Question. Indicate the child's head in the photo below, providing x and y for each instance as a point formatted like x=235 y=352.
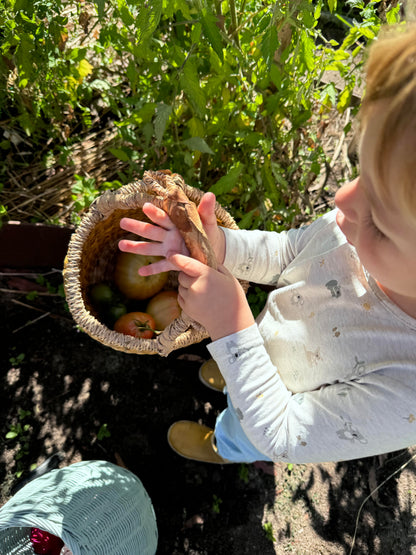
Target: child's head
x=377 y=211
x=391 y=88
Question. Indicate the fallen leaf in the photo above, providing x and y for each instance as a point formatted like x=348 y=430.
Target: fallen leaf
x=120 y=461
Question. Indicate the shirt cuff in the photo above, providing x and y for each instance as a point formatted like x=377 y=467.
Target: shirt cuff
x=235 y=348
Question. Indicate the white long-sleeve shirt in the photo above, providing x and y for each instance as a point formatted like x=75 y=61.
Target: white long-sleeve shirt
x=328 y=372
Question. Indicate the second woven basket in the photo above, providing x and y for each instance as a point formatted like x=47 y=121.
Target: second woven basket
x=92 y=255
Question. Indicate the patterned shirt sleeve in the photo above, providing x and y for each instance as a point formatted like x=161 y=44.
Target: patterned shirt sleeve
x=368 y=415
x=260 y=256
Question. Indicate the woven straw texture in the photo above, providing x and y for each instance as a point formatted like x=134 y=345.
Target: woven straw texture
x=95 y=507
x=92 y=255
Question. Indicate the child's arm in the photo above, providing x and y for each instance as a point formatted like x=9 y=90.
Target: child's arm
x=257 y=256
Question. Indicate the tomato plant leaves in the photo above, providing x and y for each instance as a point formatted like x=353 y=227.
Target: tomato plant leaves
x=199 y=144
x=163 y=112
x=209 y=24
x=190 y=83
x=224 y=96
x=269 y=44
x=226 y=183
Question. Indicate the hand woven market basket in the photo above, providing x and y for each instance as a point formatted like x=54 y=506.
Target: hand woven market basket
x=93 y=250
x=95 y=507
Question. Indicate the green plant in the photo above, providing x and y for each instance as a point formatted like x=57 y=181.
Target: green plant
x=216 y=502
x=268 y=529
x=3 y=210
x=17 y=360
x=20 y=432
x=256 y=299
x=243 y=473
x=84 y=191
x=103 y=432
x=56 y=290
x=226 y=93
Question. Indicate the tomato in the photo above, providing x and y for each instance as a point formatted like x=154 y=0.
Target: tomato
x=133 y=285
x=115 y=312
x=101 y=294
x=137 y=324
x=164 y=308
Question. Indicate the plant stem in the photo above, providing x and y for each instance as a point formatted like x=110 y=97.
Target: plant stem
x=234 y=22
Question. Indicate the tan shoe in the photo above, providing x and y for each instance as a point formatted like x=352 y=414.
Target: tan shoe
x=194 y=441
x=210 y=375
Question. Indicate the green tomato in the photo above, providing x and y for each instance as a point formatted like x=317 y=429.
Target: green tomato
x=101 y=294
x=115 y=312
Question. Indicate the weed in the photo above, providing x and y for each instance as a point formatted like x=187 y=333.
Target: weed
x=243 y=473
x=20 y=432
x=3 y=210
x=268 y=529
x=17 y=360
x=84 y=192
x=103 y=432
x=216 y=502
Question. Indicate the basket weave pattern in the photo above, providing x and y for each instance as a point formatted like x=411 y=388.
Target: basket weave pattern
x=92 y=255
x=95 y=507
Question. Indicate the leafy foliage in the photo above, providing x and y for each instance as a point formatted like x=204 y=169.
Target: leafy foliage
x=224 y=92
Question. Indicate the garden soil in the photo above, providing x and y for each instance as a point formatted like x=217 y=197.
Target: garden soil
x=86 y=401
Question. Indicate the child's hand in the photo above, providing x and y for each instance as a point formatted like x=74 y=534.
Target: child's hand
x=165 y=239
x=214 y=298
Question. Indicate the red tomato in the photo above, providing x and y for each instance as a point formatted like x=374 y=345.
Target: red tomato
x=164 y=308
x=137 y=324
x=133 y=285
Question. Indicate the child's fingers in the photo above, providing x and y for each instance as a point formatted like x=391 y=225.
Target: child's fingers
x=185 y=281
x=143 y=229
x=156 y=268
x=189 y=266
x=157 y=215
x=150 y=231
x=147 y=248
x=206 y=210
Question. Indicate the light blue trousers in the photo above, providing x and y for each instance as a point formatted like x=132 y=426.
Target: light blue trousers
x=232 y=442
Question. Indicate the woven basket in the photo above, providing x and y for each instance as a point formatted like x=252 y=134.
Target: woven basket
x=95 y=507
x=91 y=259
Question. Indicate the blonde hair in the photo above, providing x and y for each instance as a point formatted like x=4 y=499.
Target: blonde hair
x=391 y=76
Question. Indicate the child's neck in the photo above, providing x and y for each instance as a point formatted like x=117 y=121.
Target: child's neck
x=407 y=304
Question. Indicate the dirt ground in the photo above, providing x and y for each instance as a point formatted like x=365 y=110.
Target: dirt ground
x=74 y=389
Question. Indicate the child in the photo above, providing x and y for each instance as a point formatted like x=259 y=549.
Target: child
x=327 y=372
